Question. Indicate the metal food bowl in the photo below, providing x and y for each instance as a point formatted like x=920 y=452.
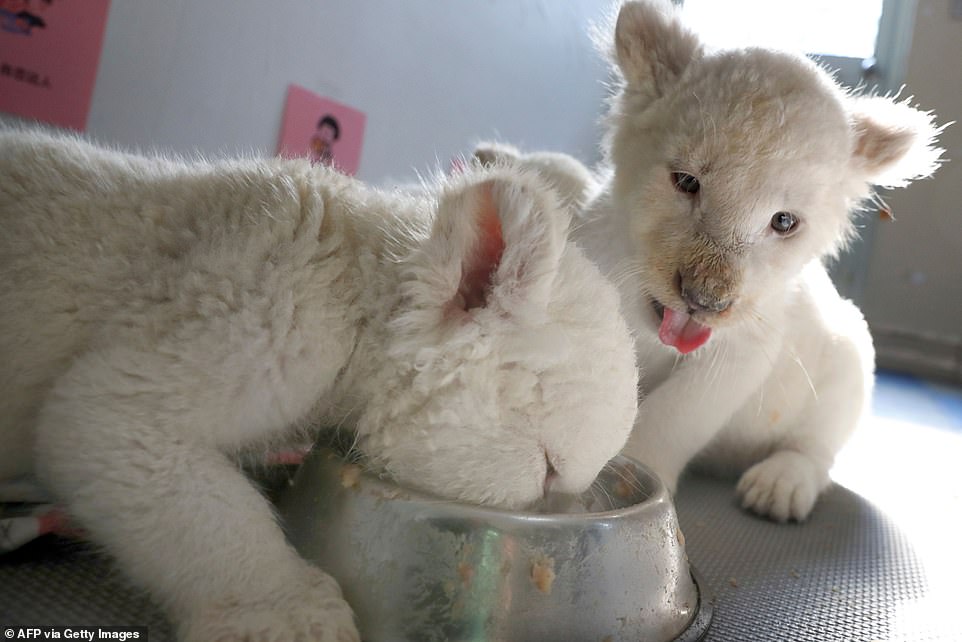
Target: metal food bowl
x=607 y=566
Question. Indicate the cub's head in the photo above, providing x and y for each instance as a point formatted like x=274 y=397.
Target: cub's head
x=734 y=169
x=511 y=369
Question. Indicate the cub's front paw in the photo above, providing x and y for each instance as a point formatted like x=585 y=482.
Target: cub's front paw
x=310 y=610
x=784 y=486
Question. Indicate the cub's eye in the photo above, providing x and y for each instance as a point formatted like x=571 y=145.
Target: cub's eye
x=685 y=182
x=784 y=223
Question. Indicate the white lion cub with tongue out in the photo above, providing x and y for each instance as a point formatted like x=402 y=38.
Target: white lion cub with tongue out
x=732 y=176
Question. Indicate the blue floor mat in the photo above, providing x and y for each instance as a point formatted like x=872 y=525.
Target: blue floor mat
x=901 y=396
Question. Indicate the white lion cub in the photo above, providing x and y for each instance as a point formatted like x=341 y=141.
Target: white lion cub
x=732 y=176
x=157 y=316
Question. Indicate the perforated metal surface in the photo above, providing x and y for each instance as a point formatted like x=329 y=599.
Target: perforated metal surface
x=882 y=563
x=53 y=582
x=847 y=574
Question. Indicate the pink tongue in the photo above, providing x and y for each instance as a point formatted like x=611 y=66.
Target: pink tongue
x=678 y=329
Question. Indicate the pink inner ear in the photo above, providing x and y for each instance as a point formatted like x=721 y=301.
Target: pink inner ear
x=482 y=261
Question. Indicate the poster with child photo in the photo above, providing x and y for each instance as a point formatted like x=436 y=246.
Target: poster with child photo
x=325 y=131
x=49 y=54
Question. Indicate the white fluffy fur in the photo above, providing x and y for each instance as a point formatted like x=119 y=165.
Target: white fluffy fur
x=787 y=372
x=158 y=315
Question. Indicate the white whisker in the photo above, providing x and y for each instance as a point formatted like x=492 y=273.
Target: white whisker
x=811 y=384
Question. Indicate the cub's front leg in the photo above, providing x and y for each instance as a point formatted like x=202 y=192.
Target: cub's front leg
x=134 y=442
x=787 y=482
x=685 y=412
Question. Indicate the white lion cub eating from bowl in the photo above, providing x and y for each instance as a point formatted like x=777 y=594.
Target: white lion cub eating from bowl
x=732 y=176
x=157 y=316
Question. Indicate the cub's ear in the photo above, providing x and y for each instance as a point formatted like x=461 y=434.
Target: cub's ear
x=489 y=154
x=894 y=143
x=652 y=47
x=498 y=244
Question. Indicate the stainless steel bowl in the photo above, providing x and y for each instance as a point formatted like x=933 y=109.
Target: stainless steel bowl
x=611 y=566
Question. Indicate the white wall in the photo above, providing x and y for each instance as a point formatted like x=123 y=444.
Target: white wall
x=433 y=76
x=913 y=294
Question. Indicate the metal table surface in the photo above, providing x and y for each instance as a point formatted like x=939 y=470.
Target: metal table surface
x=849 y=573
x=879 y=559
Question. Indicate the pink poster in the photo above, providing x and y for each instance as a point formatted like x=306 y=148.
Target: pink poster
x=49 y=51
x=321 y=129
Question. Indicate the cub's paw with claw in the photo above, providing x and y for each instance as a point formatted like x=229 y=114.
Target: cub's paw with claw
x=310 y=609
x=784 y=486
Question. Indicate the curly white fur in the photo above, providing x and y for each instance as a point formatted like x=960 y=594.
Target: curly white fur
x=158 y=315
x=786 y=372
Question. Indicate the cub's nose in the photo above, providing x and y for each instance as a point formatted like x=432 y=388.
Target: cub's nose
x=698 y=301
x=702 y=299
